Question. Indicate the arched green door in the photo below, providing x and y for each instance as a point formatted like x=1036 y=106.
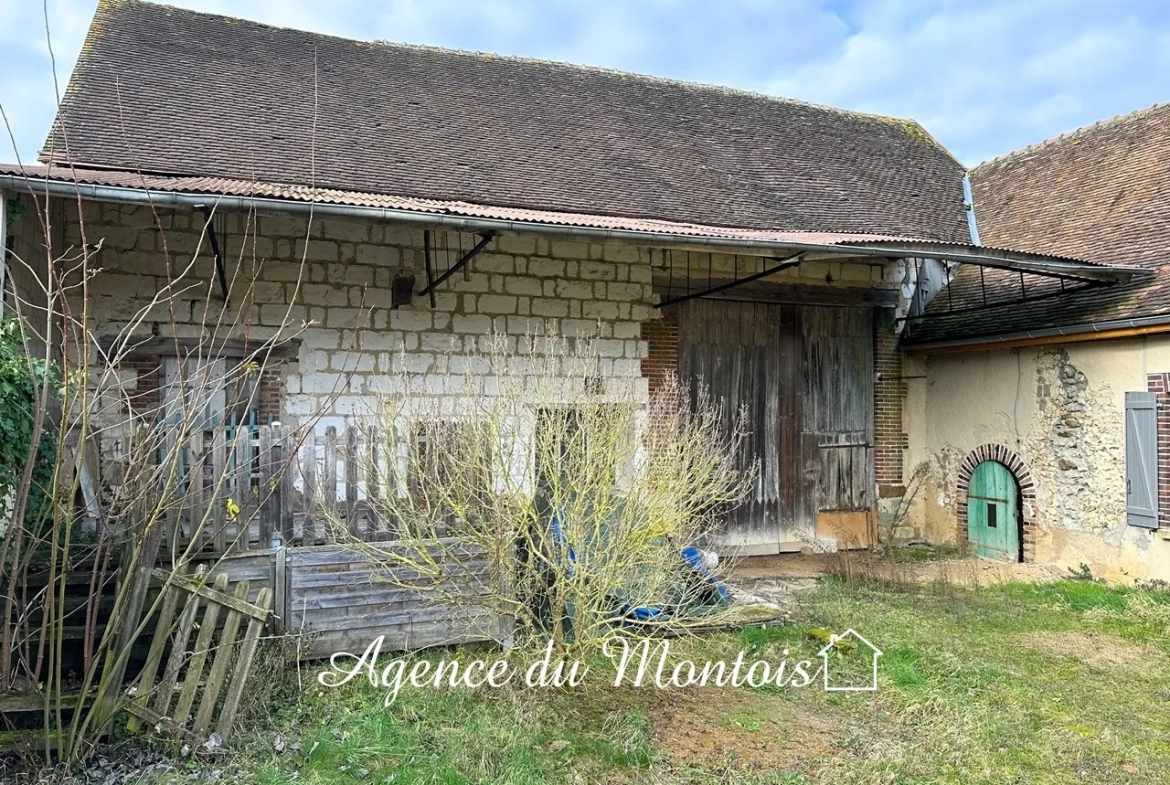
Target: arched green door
x=993 y=522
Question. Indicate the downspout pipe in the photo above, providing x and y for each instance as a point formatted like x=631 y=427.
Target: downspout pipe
x=969 y=204
x=105 y=193
x=3 y=248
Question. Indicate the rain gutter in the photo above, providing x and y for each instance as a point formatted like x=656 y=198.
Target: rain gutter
x=1075 y=332
x=158 y=198
x=3 y=248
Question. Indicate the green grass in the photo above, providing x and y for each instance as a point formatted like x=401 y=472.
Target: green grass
x=1066 y=682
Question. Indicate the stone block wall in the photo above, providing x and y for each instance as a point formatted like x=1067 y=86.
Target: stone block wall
x=331 y=287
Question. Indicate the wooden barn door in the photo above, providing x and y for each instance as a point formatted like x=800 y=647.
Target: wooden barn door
x=838 y=406
x=749 y=356
x=803 y=376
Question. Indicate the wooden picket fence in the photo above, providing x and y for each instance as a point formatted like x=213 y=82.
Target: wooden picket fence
x=247 y=487
x=186 y=672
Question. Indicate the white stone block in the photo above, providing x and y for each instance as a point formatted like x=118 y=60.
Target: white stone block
x=599 y=309
x=627 y=330
x=568 y=249
x=530 y=287
x=598 y=271
x=546 y=268
x=319 y=294
x=476 y=323
x=494 y=303
x=579 y=328
x=410 y=319
x=488 y=262
x=615 y=252
x=347 y=318
x=626 y=291
x=517 y=244
x=548 y=307
x=575 y=290
x=316 y=250
x=640 y=273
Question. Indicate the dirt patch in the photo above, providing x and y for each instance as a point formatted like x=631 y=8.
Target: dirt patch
x=742 y=728
x=1095 y=649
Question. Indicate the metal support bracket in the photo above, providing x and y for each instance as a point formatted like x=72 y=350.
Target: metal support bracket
x=485 y=238
x=220 y=272
x=784 y=264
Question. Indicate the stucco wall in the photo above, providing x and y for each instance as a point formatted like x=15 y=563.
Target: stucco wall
x=1061 y=409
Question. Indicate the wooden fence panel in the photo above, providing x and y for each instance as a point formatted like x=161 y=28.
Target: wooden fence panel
x=341 y=599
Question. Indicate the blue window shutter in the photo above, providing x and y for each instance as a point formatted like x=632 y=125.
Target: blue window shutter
x=1141 y=459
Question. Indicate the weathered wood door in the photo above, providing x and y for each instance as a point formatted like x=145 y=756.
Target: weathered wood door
x=803 y=377
x=838 y=404
x=993 y=521
x=749 y=356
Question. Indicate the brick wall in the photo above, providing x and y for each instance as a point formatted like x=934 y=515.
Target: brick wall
x=889 y=393
x=661 y=358
x=145 y=395
x=1159 y=384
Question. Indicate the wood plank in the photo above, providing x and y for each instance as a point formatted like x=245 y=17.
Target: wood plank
x=219 y=666
x=338 y=554
x=329 y=481
x=199 y=654
x=351 y=480
x=288 y=465
x=162 y=631
x=16 y=702
x=197 y=517
x=303 y=580
x=231 y=701
x=409 y=636
x=219 y=486
x=336 y=619
x=165 y=690
x=233 y=602
x=280 y=589
x=372 y=470
x=264 y=491
x=360 y=595
x=309 y=486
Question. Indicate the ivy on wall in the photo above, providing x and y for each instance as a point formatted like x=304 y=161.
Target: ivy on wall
x=20 y=387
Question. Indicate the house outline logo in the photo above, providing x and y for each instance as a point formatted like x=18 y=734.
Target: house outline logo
x=875 y=652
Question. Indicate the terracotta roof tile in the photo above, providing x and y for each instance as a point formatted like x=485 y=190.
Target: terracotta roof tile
x=174 y=92
x=1101 y=192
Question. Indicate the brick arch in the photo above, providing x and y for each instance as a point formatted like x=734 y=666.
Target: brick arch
x=1014 y=464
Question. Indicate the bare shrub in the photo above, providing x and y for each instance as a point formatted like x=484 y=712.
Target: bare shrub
x=530 y=490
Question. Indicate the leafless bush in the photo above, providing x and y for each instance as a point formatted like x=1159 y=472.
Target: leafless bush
x=525 y=488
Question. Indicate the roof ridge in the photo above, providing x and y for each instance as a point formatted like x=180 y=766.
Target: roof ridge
x=652 y=78
x=1067 y=135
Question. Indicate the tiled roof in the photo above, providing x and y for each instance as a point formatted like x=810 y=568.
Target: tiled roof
x=1102 y=192
x=162 y=190
x=174 y=92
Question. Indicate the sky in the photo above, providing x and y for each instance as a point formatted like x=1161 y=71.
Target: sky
x=985 y=77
